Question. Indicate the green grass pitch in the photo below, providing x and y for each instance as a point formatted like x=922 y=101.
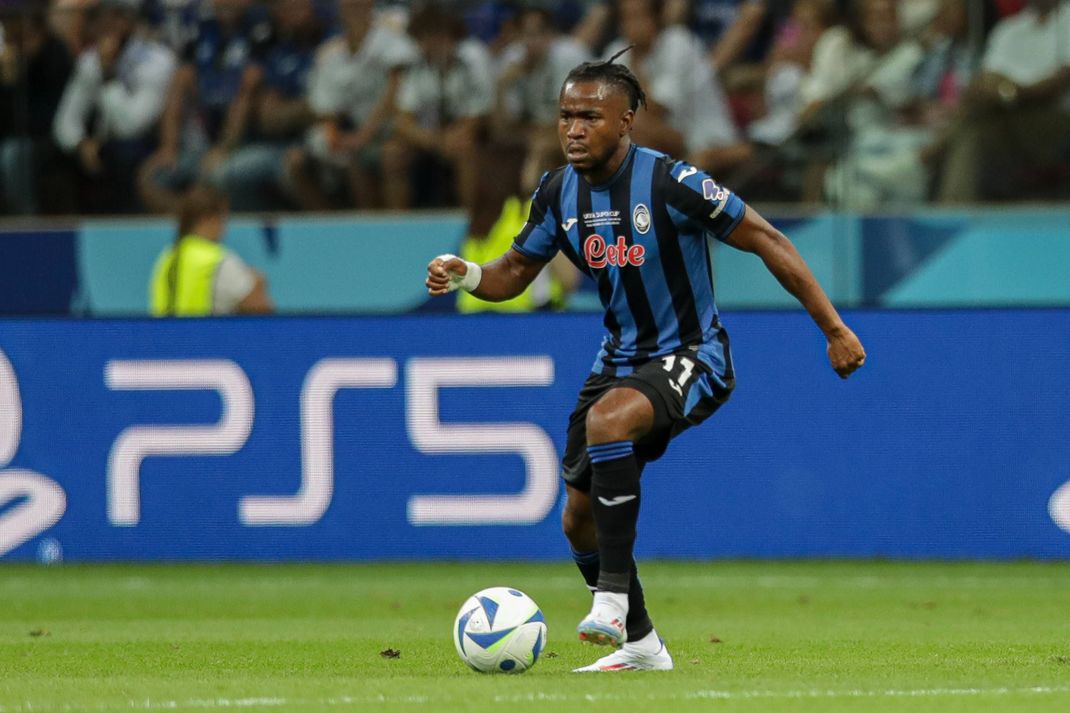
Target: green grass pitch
x=752 y=636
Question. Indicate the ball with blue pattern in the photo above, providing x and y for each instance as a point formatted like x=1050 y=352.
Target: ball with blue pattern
x=499 y=630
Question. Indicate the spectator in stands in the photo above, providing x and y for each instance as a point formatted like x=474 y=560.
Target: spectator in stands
x=916 y=16
x=69 y=19
x=687 y=114
x=1015 y=120
x=209 y=108
x=112 y=104
x=863 y=73
x=176 y=23
x=503 y=204
x=529 y=87
x=734 y=30
x=353 y=91
x=197 y=276
x=789 y=62
x=255 y=175
x=34 y=69
x=949 y=65
x=443 y=107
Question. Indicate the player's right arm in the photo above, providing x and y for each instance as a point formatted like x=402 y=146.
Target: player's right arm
x=508 y=276
x=500 y=280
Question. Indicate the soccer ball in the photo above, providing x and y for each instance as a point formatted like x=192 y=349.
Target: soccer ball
x=499 y=629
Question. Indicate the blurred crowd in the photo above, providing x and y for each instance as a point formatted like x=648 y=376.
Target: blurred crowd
x=119 y=106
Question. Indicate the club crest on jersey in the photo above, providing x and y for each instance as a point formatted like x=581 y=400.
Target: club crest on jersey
x=618 y=254
x=641 y=219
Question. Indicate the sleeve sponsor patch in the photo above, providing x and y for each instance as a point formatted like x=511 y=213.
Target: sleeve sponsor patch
x=712 y=192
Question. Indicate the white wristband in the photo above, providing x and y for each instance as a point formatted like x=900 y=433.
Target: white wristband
x=471 y=278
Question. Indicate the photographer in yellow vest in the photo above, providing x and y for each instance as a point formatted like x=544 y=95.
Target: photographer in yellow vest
x=197 y=276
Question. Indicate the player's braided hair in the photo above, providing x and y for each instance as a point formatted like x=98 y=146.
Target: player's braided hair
x=611 y=73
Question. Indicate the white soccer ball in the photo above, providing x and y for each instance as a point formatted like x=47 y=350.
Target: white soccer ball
x=499 y=630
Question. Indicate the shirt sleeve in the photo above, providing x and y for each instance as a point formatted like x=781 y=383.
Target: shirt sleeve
x=830 y=67
x=694 y=200
x=538 y=238
x=409 y=94
x=995 y=56
x=131 y=107
x=234 y=280
x=79 y=97
x=399 y=51
x=893 y=79
x=479 y=99
x=676 y=61
x=322 y=97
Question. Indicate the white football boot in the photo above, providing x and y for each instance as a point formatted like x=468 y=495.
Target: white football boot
x=605 y=625
x=647 y=654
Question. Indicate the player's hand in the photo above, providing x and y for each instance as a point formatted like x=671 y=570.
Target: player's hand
x=439 y=272
x=845 y=352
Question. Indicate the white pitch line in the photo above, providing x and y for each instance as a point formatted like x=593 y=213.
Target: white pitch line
x=797 y=694
x=886 y=580
x=707 y=694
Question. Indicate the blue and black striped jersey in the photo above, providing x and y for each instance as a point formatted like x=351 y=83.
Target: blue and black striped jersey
x=644 y=237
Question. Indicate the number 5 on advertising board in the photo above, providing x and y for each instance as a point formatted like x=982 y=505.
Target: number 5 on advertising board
x=425 y=376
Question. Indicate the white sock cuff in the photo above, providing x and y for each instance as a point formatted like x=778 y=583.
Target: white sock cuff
x=616 y=600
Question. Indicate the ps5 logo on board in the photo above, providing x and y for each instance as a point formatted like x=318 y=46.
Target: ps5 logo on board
x=37 y=502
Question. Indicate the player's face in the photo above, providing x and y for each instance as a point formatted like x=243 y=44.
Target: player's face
x=594 y=120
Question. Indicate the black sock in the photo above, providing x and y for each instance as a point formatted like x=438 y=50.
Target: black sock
x=615 y=505
x=587 y=562
x=639 y=624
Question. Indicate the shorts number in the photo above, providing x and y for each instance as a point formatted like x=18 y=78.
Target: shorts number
x=686 y=366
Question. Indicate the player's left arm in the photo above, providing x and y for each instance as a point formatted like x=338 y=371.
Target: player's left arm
x=755 y=235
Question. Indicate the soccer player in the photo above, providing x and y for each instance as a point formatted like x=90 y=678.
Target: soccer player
x=638 y=223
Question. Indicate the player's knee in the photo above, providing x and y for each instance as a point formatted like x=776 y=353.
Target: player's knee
x=606 y=423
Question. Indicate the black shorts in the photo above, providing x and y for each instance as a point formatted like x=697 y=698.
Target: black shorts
x=683 y=391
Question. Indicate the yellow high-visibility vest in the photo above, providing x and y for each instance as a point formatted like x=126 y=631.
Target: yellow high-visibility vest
x=183 y=278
